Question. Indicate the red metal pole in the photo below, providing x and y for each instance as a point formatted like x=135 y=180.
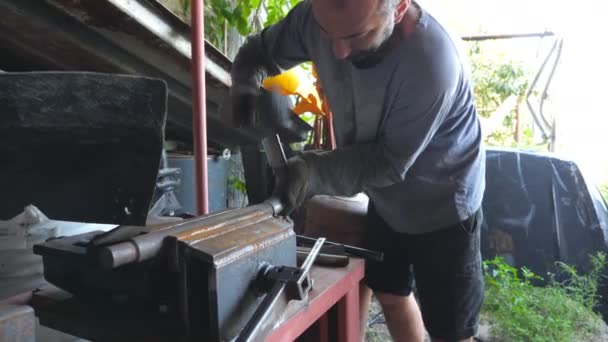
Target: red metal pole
x=199 y=106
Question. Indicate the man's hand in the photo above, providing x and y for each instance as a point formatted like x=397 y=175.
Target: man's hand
x=297 y=187
x=249 y=69
x=243 y=99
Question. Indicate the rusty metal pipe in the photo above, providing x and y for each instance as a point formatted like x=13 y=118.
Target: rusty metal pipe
x=145 y=247
x=199 y=108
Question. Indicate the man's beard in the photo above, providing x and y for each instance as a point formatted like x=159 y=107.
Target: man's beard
x=368 y=58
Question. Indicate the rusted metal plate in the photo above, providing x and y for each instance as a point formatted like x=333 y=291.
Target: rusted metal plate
x=17 y=323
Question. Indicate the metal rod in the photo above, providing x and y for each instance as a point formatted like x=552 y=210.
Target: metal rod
x=274 y=152
x=260 y=316
x=144 y=247
x=545 y=95
x=259 y=321
x=540 y=121
x=311 y=259
x=331 y=260
x=352 y=250
x=507 y=36
x=199 y=106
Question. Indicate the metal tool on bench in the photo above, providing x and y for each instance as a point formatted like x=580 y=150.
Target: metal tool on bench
x=325 y=258
x=338 y=248
x=196 y=278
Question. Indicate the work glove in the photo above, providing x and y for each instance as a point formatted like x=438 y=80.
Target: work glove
x=336 y=173
x=299 y=184
x=243 y=99
x=250 y=67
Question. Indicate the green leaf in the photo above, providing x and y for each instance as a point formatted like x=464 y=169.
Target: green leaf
x=186 y=6
x=237 y=184
x=223 y=10
x=246 y=12
x=242 y=26
x=520 y=311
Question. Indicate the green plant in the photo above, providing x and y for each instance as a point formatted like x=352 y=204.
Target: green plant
x=277 y=9
x=583 y=288
x=497 y=79
x=237 y=184
x=243 y=15
x=494 y=79
x=558 y=311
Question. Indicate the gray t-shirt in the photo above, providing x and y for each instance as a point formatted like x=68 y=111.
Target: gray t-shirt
x=407 y=129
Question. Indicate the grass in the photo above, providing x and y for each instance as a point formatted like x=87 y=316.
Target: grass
x=516 y=308
x=559 y=311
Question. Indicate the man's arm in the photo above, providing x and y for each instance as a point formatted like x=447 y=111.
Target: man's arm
x=277 y=48
x=414 y=119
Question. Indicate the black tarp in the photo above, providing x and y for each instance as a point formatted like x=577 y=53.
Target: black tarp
x=540 y=209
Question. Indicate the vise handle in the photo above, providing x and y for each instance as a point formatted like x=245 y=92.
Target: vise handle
x=294 y=283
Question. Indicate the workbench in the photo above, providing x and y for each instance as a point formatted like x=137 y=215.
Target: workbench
x=331 y=286
x=331 y=314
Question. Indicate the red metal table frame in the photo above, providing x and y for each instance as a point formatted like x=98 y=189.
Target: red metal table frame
x=331 y=286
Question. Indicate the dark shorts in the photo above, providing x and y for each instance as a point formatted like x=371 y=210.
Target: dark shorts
x=447 y=268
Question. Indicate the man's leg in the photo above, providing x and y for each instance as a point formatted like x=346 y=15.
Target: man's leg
x=391 y=280
x=449 y=280
x=403 y=317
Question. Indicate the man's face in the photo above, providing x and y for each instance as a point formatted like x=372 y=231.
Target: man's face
x=358 y=30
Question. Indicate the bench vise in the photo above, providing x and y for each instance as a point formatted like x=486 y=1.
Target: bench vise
x=198 y=279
